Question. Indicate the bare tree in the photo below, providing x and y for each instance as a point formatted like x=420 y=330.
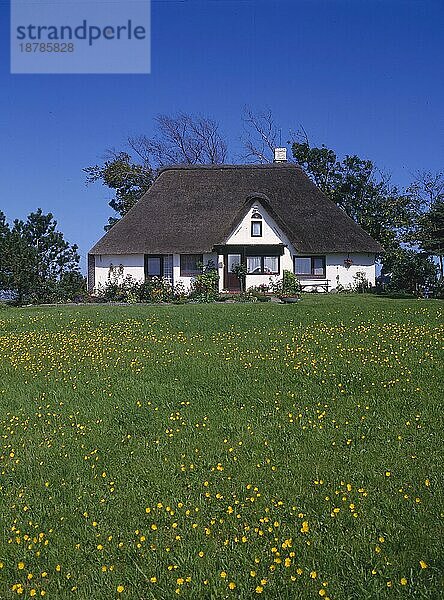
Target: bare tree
x=261 y=136
x=181 y=139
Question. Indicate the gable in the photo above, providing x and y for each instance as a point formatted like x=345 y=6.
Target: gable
x=270 y=232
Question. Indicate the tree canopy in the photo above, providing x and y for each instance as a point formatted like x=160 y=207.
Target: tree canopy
x=36 y=263
x=129 y=181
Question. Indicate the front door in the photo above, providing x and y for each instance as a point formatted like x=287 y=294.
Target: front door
x=231 y=281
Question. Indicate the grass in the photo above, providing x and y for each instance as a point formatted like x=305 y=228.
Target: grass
x=229 y=451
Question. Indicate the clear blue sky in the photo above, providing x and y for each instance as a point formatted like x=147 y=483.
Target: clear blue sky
x=361 y=76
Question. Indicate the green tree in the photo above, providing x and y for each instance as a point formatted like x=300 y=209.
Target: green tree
x=128 y=180
x=35 y=258
x=355 y=185
x=431 y=232
x=410 y=271
x=18 y=272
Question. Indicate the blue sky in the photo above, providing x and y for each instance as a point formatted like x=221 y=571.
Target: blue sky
x=361 y=76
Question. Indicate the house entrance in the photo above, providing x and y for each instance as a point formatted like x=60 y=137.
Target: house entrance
x=231 y=281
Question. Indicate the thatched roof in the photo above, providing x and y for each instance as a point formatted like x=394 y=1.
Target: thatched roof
x=191 y=209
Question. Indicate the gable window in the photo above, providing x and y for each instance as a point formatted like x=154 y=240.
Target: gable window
x=309 y=266
x=262 y=265
x=256 y=228
x=190 y=265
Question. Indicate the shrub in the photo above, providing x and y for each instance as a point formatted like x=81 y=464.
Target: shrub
x=155 y=289
x=288 y=286
x=116 y=291
x=361 y=283
x=245 y=297
x=205 y=287
x=179 y=293
x=438 y=289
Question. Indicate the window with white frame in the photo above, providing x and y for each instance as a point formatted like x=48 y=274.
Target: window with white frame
x=262 y=265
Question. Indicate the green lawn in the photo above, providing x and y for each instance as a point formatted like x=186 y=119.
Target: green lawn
x=222 y=451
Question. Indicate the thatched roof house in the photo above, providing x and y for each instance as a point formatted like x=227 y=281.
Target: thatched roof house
x=271 y=217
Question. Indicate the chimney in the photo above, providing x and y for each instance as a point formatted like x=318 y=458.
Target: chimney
x=280 y=155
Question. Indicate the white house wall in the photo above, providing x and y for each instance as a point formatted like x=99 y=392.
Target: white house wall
x=361 y=263
x=133 y=265
x=337 y=273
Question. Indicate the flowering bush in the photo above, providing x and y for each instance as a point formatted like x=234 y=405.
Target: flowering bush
x=288 y=286
x=205 y=287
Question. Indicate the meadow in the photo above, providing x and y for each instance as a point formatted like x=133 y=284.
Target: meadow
x=222 y=451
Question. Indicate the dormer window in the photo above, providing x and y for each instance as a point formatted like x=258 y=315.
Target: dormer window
x=256 y=228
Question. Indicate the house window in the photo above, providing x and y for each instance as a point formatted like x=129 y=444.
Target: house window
x=309 y=266
x=262 y=265
x=153 y=266
x=190 y=265
x=256 y=228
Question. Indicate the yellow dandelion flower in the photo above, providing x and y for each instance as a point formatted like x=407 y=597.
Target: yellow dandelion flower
x=259 y=589
x=223 y=574
x=120 y=589
x=423 y=564
x=21 y=566
x=232 y=585
x=403 y=581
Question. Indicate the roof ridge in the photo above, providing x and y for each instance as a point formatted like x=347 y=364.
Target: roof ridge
x=226 y=166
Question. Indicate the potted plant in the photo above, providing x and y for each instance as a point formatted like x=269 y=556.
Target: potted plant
x=288 y=289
